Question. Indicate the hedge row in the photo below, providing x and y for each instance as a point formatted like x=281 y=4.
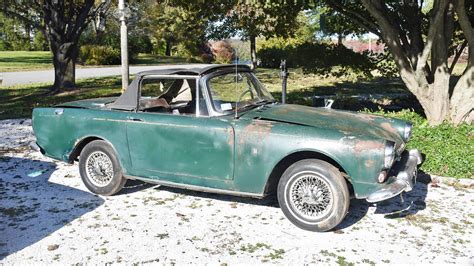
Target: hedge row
x=449 y=150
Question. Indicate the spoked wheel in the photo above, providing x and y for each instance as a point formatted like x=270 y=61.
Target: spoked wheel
x=313 y=195
x=99 y=168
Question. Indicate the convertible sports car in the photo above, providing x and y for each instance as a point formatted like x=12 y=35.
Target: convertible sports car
x=215 y=128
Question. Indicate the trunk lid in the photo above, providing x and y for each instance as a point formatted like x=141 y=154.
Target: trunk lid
x=95 y=103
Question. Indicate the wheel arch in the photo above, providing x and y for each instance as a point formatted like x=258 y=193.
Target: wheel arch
x=80 y=144
x=278 y=170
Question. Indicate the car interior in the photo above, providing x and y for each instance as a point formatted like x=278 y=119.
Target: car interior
x=175 y=96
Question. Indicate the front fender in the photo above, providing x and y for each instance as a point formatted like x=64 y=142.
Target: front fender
x=261 y=145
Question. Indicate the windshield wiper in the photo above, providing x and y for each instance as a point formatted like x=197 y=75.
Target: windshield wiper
x=247 y=106
x=265 y=102
x=254 y=104
x=258 y=103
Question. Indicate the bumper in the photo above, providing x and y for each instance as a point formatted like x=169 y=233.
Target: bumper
x=402 y=177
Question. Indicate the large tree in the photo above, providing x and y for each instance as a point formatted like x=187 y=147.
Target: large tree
x=61 y=22
x=173 y=23
x=251 y=19
x=421 y=36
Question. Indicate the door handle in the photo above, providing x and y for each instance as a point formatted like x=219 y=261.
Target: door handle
x=135 y=119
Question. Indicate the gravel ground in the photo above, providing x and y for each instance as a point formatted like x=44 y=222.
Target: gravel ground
x=48 y=216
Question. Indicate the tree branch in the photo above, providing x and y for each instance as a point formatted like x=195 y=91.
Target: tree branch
x=18 y=15
x=466 y=27
x=389 y=33
x=457 y=54
x=356 y=17
x=414 y=30
x=438 y=19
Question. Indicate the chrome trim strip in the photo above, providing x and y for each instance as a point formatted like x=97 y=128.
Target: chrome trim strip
x=155 y=123
x=197 y=188
x=198 y=112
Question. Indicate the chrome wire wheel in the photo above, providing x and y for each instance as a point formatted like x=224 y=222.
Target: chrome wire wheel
x=310 y=196
x=99 y=169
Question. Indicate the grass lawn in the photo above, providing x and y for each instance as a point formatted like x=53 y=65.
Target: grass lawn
x=11 y=61
x=19 y=101
x=24 y=60
x=301 y=87
x=448 y=149
x=149 y=59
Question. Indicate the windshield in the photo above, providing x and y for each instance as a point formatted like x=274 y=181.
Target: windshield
x=237 y=90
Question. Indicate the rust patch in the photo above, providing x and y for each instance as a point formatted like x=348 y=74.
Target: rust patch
x=366 y=145
x=367 y=117
x=369 y=163
x=259 y=130
x=230 y=134
x=387 y=126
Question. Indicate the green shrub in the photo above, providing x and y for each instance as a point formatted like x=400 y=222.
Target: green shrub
x=315 y=57
x=99 y=55
x=449 y=149
x=40 y=43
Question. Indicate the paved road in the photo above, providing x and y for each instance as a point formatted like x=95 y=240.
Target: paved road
x=47 y=76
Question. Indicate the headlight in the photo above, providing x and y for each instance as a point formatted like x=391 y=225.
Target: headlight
x=407 y=131
x=389 y=154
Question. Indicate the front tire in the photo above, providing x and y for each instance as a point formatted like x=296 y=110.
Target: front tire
x=313 y=195
x=100 y=169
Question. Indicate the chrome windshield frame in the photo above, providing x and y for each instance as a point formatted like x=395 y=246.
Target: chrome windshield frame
x=207 y=93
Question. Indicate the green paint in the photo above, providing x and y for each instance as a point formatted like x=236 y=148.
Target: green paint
x=223 y=152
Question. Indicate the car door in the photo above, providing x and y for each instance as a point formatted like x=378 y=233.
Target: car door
x=181 y=148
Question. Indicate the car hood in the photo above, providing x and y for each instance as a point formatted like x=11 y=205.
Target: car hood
x=346 y=122
x=96 y=103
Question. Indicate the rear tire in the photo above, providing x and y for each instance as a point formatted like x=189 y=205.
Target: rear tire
x=313 y=195
x=100 y=169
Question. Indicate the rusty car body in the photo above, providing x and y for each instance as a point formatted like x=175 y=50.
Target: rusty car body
x=228 y=135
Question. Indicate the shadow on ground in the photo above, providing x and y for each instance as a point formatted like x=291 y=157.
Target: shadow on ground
x=378 y=94
x=32 y=207
x=270 y=201
x=397 y=207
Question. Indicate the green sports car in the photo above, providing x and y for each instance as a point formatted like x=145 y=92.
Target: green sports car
x=215 y=128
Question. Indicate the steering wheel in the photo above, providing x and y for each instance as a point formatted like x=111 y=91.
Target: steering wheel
x=248 y=90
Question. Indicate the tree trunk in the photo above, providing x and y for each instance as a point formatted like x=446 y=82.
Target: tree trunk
x=168 y=48
x=432 y=93
x=253 y=50
x=428 y=81
x=64 y=61
x=461 y=103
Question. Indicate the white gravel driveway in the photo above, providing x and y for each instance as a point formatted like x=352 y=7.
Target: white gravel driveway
x=48 y=216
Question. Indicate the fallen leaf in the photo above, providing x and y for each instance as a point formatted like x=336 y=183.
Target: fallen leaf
x=53 y=247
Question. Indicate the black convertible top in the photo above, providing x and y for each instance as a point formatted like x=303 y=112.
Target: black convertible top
x=129 y=99
x=194 y=69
